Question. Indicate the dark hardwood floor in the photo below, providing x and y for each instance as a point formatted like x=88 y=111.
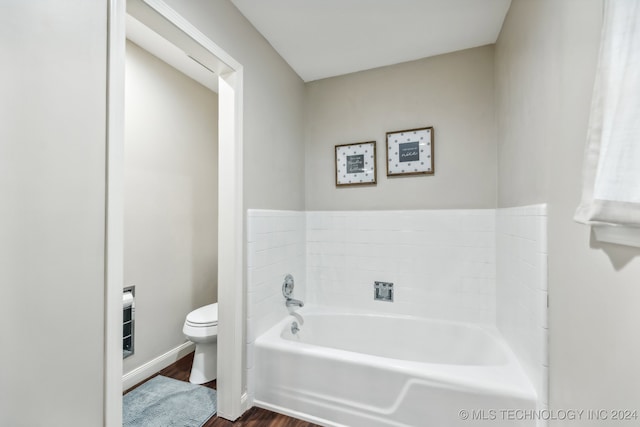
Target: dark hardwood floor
x=254 y=417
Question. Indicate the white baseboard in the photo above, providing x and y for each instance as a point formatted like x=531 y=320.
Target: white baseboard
x=146 y=370
x=246 y=402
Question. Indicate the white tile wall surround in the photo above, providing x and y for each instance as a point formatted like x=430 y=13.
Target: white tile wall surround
x=276 y=245
x=521 y=288
x=442 y=262
x=482 y=266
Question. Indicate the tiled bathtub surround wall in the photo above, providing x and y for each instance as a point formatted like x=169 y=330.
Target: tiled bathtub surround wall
x=442 y=262
x=481 y=266
x=521 y=288
x=276 y=246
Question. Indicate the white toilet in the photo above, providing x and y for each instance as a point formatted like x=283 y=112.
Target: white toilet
x=201 y=327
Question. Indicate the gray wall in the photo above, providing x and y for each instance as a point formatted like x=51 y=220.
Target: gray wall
x=527 y=95
x=52 y=180
x=52 y=170
x=545 y=67
x=171 y=200
x=273 y=106
x=52 y=212
x=453 y=93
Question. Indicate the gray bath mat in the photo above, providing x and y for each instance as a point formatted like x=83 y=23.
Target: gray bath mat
x=165 y=402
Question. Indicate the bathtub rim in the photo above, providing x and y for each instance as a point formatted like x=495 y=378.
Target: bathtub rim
x=490 y=330
x=479 y=378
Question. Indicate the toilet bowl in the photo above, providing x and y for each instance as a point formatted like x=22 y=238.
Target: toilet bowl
x=201 y=328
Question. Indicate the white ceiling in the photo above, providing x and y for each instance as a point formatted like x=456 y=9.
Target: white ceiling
x=325 y=38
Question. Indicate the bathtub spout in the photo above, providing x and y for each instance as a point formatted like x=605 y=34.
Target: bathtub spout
x=291 y=302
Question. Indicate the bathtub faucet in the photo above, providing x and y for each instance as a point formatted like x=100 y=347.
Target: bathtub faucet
x=290 y=302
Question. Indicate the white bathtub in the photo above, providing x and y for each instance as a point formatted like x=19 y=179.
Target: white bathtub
x=359 y=369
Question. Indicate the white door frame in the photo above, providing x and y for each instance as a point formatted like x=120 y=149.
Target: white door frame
x=232 y=399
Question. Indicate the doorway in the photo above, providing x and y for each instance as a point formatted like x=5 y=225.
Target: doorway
x=164 y=21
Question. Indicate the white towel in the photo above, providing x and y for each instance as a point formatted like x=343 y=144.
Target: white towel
x=611 y=191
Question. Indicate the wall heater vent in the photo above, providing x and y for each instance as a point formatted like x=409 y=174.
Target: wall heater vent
x=128 y=320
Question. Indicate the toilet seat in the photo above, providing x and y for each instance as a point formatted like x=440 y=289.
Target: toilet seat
x=203 y=317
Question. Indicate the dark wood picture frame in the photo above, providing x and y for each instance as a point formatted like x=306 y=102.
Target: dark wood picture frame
x=356 y=164
x=416 y=146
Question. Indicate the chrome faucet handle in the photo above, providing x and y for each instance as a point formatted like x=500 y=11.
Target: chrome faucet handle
x=295 y=328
